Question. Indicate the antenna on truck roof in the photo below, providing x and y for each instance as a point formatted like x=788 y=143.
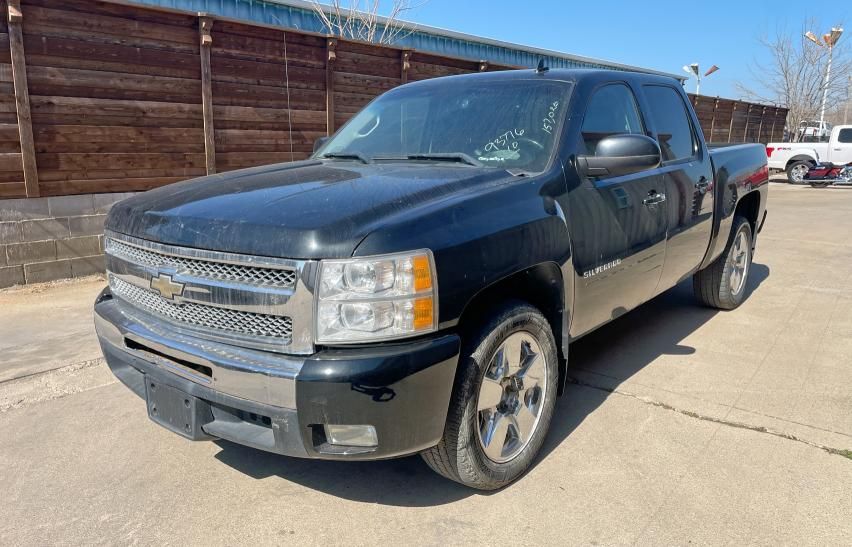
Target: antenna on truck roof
x=541 y=69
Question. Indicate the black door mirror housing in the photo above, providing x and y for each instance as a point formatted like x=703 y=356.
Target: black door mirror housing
x=319 y=142
x=618 y=155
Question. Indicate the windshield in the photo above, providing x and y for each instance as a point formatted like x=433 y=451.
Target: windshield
x=506 y=124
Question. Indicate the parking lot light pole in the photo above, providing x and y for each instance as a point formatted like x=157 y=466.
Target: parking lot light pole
x=829 y=40
x=692 y=70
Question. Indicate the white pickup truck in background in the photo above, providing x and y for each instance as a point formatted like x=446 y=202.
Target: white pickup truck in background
x=797 y=157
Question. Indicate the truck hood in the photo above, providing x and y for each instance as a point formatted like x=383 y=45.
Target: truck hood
x=302 y=210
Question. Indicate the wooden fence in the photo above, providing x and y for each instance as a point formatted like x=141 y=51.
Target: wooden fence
x=99 y=96
x=726 y=120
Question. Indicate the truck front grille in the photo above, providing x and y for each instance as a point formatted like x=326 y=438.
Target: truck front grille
x=254 y=302
x=199 y=316
x=222 y=271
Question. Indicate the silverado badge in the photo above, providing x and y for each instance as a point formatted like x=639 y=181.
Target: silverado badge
x=167 y=288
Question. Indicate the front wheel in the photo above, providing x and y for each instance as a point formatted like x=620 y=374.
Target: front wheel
x=796 y=171
x=502 y=402
x=722 y=284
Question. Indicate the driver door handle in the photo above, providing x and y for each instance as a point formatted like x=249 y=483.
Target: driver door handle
x=654 y=198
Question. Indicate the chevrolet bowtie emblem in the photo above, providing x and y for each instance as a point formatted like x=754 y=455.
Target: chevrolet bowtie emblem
x=167 y=288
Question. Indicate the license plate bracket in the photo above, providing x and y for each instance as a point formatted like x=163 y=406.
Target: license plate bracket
x=176 y=410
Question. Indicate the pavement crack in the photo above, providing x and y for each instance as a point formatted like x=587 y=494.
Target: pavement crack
x=57 y=370
x=53 y=384
x=846 y=453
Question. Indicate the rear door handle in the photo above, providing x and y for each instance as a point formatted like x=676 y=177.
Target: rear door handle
x=654 y=198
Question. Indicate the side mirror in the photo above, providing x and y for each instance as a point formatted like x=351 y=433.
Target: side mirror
x=621 y=155
x=319 y=142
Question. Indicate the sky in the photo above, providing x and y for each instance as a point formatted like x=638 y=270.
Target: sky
x=663 y=35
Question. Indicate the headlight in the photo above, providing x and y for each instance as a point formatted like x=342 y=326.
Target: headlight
x=376 y=298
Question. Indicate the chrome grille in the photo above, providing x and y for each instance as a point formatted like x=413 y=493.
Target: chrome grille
x=226 y=321
x=235 y=273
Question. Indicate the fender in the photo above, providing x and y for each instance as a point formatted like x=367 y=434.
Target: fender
x=735 y=180
x=809 y=155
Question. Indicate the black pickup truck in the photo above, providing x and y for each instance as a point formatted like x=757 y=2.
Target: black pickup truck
x=415 y=286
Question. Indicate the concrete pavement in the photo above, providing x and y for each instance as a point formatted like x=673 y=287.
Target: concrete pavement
x=682 y=425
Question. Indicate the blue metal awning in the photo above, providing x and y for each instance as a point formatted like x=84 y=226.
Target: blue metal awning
x=300 y=15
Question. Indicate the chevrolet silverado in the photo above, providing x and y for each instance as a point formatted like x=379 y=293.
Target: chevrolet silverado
x=416 y=285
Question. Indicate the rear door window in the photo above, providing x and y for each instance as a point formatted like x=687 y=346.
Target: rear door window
x=845 y=136
x=671 y=120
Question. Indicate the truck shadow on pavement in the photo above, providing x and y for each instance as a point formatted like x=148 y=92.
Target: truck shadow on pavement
x=611 y=355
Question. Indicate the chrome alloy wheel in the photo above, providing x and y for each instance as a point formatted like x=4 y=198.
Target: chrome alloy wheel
x=798 y=172
x=511 y=397
x=739 y=263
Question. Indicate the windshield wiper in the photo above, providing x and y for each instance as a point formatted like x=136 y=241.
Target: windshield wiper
x=347 y=156
x=458 y=157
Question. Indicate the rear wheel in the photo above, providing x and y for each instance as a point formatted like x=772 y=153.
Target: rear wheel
x=819 y=183
x=502 y=402
x=722 y=284
x=797 y=170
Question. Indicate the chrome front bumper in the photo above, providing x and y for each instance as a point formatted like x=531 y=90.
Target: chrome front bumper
x=263 y=377
x=281 y=403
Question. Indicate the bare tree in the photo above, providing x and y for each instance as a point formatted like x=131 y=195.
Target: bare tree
x=794 y=76
x=358 y=21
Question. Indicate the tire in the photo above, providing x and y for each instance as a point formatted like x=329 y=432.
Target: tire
x=819 y=183
x=718 y=285
x=796 y=171
x=461 y=455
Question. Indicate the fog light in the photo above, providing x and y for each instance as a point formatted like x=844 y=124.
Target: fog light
x=351 y=435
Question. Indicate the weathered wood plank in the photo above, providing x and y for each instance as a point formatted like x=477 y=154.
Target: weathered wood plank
x=22 y=98
x=114 y=107
x=272 y=115
x=10 y=162
x=254 y=158
x=118 y=184
x=267 y=97
x=119 y=121
x=269 y=51
x=116 y=146
x=126 y=25
x=369 y=64
x=357 y=83
x=70 y=134
x=12 y=176
x=9 y=132
x=108 y=7
x=119 y=160
x=90 y=47
x=13 y=190
x=251 y=137
x=47 y=80
x=263 y=73
x=110 y=66
x=95 y=174
x=54 y=29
